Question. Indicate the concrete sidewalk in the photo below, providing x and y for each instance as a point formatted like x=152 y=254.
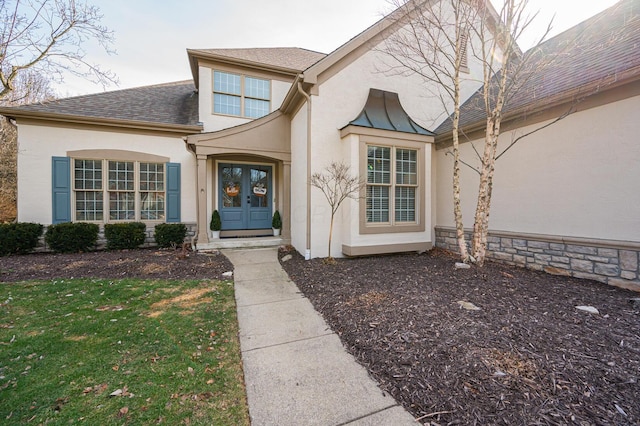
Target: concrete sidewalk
x=296 y=370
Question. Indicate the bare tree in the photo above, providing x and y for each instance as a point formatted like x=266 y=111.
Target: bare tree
x=433 y=42
x=29 y=87
x=48 y=36
x=337 y=184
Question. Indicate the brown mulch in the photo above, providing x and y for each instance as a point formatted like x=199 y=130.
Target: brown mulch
x=528 y=356
x=143 y=263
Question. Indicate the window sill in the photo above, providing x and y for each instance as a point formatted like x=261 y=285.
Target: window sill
x=368 y=228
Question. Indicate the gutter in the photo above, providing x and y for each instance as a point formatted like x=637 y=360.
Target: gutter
x=307 y=253
x=15 y=113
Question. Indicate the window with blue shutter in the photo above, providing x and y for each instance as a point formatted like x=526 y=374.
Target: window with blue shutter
x=61 y=189
x=173 y=192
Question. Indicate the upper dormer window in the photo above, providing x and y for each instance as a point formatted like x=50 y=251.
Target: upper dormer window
x=240 y=95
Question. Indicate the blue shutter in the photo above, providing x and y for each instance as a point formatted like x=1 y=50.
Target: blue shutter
x=61 y=189
x=173 y=192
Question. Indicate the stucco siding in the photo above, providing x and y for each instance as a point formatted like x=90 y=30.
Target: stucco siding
x=577 y=178
x=340 y=100
x=37 y=144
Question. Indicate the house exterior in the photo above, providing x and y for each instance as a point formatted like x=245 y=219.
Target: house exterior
x=245 y=135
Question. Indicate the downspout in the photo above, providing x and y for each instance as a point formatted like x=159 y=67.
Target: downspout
x=191 y=149
x=307 y=253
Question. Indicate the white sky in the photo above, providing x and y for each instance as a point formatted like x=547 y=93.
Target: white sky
x=152 y=35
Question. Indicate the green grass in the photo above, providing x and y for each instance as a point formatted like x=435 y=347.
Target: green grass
x=170 y=347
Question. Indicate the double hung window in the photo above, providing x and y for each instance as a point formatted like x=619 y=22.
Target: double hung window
x=240 y=95
x=392 y=184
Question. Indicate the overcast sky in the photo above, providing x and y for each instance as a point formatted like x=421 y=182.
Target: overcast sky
x=152 y=35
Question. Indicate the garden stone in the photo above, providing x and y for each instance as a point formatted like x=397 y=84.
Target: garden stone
x=589 y=309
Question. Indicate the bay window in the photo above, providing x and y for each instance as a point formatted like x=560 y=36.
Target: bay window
x=392 y=188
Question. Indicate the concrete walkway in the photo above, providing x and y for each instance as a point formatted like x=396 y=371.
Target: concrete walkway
x=296 y=370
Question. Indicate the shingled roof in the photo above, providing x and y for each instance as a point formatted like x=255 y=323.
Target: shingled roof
x=293 y=58
x=598 y=53
x=172 y=104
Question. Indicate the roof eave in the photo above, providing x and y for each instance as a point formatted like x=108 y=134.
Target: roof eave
x=196 y=55
x=101 y=121
x=568 y=96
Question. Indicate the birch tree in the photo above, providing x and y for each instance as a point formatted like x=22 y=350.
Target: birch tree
x=433 y=45
x=434 y=41
x=337 y=184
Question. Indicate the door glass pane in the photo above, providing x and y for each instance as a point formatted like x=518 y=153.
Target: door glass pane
x=231 y=186
x=259 y=188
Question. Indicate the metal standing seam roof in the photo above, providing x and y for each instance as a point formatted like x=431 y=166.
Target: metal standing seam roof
x=384 y=111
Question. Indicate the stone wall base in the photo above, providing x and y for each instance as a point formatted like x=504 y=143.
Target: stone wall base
x=102 y=242
x=615 y=263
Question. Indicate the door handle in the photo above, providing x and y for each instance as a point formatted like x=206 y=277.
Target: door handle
x=248 y=199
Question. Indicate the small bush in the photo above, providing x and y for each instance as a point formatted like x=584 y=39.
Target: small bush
x=72 y=237
x=276 y=222
x=19 y=238
x=170 y=234
x=216 y=223
x=121 y=236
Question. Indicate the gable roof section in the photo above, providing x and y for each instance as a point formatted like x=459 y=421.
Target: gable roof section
x=383 y=111
x=377 y=30
x=599 y=53
x=171 y=106
x=286 y=60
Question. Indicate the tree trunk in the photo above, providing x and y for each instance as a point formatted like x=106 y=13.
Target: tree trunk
x=457 y=207
x=330 y=234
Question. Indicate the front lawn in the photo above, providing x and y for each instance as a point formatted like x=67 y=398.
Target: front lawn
x=129 y=351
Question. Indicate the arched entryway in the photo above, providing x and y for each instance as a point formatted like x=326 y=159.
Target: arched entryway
x=244 y=173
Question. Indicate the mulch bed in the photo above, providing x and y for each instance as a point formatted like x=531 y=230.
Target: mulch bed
x=144 y=263
x=528 y=356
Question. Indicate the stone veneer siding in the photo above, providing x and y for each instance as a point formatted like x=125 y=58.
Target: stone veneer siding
x=615 y=263
x=102 y=242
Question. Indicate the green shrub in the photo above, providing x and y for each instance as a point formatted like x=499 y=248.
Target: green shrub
x=19 y=238
x=276 y=222
x=170 y=234
x=72 y=237
x=216 y=223
x=121 y=236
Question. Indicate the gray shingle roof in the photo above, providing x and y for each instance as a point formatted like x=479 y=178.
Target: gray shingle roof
x=598 y=52
x=383 y=111
x=282 y=57
x=169 y=104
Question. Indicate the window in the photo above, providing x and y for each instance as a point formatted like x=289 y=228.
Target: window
x=134 y=190
x=88 y=186
x=392 y=182
x=244 y=96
